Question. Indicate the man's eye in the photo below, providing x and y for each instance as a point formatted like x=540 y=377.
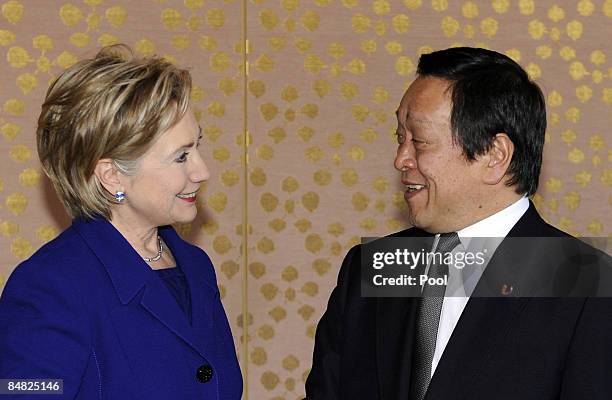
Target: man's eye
x=418 y=141
x=182 y=158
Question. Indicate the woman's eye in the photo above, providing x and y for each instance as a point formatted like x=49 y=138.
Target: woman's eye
x=182 y=158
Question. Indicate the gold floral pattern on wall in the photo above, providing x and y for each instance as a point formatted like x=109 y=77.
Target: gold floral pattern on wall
x=301 y=148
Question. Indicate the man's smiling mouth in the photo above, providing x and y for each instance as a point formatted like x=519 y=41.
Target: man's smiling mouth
x=187 y=196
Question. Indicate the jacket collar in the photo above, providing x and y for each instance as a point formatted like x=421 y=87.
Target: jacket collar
x=127 y=270
x=130 y=275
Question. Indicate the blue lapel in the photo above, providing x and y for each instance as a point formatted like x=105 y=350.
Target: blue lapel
x=130 y=274
x=203 y=289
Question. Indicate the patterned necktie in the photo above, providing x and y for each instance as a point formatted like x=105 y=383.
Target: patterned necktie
x=428 y=311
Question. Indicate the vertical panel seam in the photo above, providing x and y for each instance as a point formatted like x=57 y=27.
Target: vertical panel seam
x=245 y=212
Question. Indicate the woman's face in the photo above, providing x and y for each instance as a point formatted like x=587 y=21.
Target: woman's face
x=163 y=190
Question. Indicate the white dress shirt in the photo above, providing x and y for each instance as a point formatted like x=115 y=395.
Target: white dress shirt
x=495 y=226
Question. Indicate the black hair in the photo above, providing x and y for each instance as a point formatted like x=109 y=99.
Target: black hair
x=492 y=94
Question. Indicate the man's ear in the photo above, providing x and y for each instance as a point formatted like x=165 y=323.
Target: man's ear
x=497 y=159
x=108 y=175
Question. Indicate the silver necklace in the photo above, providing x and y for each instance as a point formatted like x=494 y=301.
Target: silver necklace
x=159 y=252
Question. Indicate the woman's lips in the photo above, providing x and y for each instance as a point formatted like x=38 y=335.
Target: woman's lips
x=189 y=197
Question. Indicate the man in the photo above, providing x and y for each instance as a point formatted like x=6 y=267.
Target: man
x=470 y=140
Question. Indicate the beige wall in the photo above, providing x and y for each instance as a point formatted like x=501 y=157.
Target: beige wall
x=325 y=77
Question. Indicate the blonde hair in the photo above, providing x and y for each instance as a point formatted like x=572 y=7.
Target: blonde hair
x=111 y=106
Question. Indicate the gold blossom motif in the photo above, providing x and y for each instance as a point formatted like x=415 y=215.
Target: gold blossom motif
x=13 y=11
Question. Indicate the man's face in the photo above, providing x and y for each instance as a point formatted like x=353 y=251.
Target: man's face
x=442 y=187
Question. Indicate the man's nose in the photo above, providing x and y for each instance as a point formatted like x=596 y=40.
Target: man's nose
x=405 y=157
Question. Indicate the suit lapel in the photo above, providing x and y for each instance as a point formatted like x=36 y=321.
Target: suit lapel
x=203 y=294
x=158 y=301
x=395 y=327
x=130 y=274
x=514 y=263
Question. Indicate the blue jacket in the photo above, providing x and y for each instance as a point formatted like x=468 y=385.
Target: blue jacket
x=87 y=309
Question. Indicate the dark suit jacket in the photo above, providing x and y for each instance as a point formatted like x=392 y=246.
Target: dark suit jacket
x=87 y=309
x=501 y=348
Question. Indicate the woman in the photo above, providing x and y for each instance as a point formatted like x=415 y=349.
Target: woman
x=118 y=306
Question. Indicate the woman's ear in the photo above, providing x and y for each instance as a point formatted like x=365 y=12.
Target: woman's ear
x=498 y=159
x=108 y=175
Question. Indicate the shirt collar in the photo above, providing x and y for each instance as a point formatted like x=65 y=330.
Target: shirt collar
x=496 y=225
